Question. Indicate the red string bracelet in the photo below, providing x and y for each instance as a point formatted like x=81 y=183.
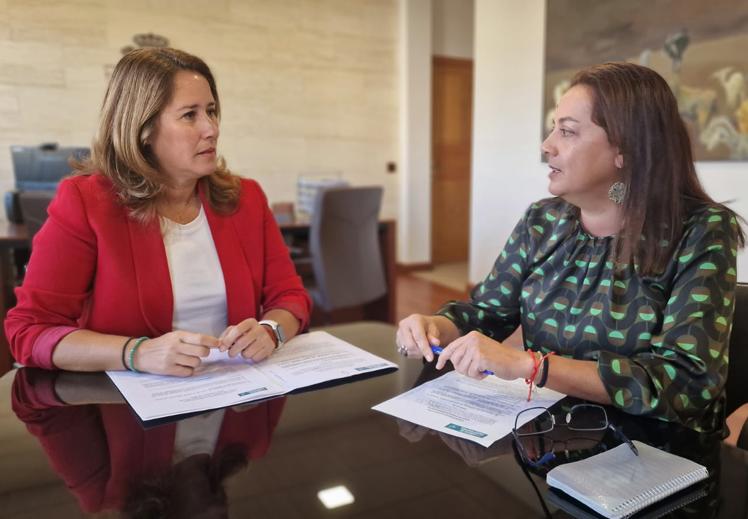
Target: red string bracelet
x=536 y=364
x=538 y=361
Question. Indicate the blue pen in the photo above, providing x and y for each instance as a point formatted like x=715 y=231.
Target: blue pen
x=438 y=349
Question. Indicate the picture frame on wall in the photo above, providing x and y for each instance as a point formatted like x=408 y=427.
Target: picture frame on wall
x=698 y=47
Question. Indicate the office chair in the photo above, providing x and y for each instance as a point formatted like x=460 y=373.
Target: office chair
x=344 y=248
x=38 y=168
x=33 y=206
x=736 y=388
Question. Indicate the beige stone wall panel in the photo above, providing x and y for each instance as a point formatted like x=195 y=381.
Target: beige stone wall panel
x=30 y=63
x=307 y=86
x=59 y=22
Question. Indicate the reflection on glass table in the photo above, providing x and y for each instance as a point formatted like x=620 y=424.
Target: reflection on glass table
x=324 y=439
x=108 y=461
x=582 y=420
x=572 y=430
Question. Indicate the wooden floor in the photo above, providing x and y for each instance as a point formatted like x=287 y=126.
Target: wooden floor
x=418 y=296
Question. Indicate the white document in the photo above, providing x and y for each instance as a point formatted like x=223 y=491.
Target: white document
x=221 y=381
x=479 y=410
x=317 y=357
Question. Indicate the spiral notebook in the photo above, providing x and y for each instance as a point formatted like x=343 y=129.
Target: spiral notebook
x=617 y=483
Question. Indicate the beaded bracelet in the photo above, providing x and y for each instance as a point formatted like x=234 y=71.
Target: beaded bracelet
x=138 y=342
x=124 y=349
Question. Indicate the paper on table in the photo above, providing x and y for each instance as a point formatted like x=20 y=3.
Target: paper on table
x=317 y=357
x=221 y=381
x=479 y=410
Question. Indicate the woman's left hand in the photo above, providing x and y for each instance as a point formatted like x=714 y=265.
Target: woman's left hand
x=249 y=339
x=474 y=353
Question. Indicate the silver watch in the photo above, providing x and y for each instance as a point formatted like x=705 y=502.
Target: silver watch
x=277 y=329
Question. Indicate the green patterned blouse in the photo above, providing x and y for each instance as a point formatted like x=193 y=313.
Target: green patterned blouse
x=660 y=342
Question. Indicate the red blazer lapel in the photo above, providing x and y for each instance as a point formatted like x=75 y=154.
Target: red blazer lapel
x=152 y=275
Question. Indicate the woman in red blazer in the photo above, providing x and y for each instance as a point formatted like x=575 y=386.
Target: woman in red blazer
x=98 y=292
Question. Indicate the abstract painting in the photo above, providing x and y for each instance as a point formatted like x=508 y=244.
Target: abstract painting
x=699 y=47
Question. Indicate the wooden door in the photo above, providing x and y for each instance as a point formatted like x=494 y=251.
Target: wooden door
x=452 y=106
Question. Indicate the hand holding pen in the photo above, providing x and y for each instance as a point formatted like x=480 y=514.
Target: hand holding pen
x=416 y=333
x=473 y=354
x=438 y=351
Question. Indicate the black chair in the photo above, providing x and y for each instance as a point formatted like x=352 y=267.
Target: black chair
x=344 y=248
x=736 y=387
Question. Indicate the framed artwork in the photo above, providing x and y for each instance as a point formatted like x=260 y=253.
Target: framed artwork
x=700 y=48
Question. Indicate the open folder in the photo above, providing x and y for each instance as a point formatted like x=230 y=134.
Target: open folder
x=306 y=360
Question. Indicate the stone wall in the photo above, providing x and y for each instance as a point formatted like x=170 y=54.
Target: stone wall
x=306 y=86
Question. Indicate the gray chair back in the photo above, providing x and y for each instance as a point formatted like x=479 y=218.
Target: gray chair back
x=34 y=209
x=344 y=246
x=737 y=387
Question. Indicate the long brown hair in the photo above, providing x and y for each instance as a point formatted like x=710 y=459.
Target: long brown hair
x=141 y=85
x=638 y=111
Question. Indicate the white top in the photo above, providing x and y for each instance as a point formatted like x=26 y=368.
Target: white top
x=199 y=306
x=196 y=276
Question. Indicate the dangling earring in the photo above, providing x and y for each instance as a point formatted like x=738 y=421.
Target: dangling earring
x=617 y=192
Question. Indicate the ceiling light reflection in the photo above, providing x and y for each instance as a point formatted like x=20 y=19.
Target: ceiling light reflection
x=335 y=497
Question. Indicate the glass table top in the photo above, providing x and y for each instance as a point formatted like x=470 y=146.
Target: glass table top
x=69 y=447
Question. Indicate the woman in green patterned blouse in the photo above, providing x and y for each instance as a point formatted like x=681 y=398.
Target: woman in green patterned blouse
x=627 y=275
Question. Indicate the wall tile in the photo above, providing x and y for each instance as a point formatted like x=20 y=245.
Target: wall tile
x=305 y=85
x=71 y=22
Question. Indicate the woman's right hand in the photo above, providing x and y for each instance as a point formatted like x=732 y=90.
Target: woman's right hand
x=175 y=353
x=416 y=334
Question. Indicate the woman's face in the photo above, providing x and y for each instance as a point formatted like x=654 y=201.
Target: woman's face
x=583 y=163
x=186 y=131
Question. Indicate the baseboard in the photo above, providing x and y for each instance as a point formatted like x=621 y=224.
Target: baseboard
x=406 y=268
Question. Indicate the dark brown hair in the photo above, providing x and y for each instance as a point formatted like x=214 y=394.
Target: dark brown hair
x=638 y=111
x=141 y=85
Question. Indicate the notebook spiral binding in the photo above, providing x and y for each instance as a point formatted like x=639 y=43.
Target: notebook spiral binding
x=656 y=493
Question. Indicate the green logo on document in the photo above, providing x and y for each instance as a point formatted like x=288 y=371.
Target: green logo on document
x=465 y=430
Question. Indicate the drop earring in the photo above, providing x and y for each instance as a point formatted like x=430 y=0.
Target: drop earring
x=617 y=192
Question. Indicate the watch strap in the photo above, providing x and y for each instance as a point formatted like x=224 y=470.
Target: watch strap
x=277 y=331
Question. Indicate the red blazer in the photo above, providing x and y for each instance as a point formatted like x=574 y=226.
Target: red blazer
x=95 y=268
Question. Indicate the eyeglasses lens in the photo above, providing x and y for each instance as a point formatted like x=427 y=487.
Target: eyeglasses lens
x=538 y=425
x=587 y=418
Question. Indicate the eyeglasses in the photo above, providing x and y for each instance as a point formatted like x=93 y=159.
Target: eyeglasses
x=580 y=418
